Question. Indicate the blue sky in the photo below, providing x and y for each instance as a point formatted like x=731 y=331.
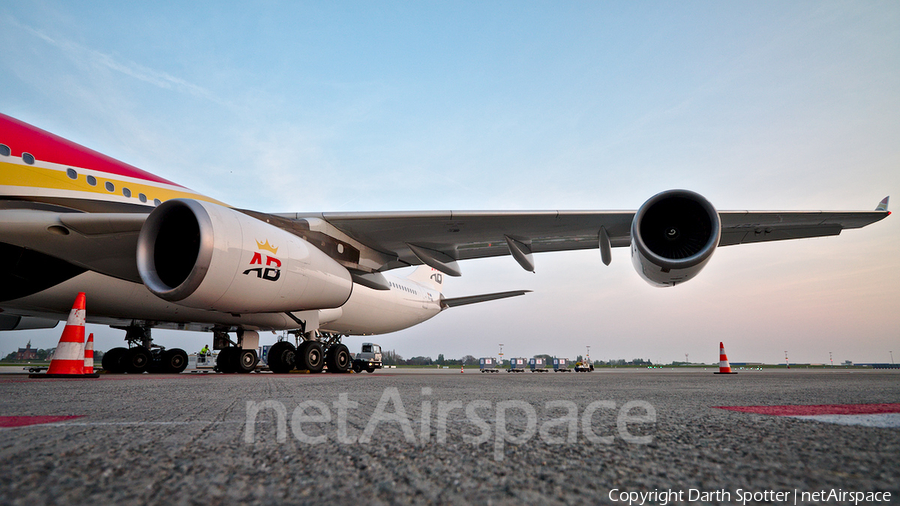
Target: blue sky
x=508 y=105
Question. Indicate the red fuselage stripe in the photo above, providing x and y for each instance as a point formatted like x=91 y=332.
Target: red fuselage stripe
x=23 y=138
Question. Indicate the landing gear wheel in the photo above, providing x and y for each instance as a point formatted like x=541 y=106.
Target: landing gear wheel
x=227 y=360
x=112 y=360
x=246 y=360
x=309 y=356
x=281 y=357
x=356 y=367
x=338 y=359
x=173 y=361
x=137 y=360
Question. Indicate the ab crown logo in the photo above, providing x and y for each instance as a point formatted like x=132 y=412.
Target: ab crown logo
x=272 y=269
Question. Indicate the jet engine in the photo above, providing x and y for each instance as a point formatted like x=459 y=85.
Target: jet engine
x=207 y=256
x=673 y=236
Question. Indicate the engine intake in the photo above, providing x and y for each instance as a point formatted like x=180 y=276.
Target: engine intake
x=673 y=236
x=207 y=256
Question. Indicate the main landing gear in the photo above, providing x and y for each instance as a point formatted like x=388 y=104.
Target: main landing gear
x=143 y=356
x=315 y=353
x=236 y=357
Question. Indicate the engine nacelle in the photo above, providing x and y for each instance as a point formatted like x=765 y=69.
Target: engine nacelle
x=207 y=256
x=673 y=235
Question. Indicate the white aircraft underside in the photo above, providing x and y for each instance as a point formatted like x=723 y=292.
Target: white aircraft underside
x=120 y=303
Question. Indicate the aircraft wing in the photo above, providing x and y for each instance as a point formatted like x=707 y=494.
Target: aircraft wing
x=744 y=227
x=440 y=238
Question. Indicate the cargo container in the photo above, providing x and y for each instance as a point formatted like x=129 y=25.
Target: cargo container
x=488 y=364
x=517 y=365
x=537 y=364
x=561 y=365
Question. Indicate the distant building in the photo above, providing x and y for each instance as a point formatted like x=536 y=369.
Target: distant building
x=27 y=353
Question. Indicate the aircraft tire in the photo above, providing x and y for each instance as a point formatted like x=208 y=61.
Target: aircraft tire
x=245 y=361
x=173 y=361
x=337 y=358
x=112 y=360
x=310 y=356
x=281 y=357
x=137 y=360
x=226 y=362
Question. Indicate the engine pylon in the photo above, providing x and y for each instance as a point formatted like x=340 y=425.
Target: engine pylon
x=724 y=366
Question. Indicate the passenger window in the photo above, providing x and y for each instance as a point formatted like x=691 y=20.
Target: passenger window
x=28 y=158
x=4 y=150
x=92 y=180
x=142 y=198
x=71 y=173
x=110 y=187
x=126 y=192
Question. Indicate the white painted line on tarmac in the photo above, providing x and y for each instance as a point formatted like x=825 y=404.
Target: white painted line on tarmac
x=881 y=420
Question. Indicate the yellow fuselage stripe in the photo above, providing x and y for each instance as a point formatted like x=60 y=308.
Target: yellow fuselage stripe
x=42 y=178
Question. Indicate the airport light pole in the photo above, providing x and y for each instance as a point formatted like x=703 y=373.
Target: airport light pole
x=788 y=364
x=831 y=359
x=892 y=357
x=501 y=353
x=588 y=360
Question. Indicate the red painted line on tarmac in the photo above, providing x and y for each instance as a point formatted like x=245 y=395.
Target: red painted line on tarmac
x=22 y=421
x=821 y=409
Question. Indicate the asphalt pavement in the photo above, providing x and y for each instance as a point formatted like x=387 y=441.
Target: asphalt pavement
x=438 y=436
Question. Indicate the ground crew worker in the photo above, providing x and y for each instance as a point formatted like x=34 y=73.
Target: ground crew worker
x=205 y=351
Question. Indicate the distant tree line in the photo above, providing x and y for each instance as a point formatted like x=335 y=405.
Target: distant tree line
x=393 y=358
x=621 y=361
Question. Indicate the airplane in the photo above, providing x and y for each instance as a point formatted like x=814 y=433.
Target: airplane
x=150 y=253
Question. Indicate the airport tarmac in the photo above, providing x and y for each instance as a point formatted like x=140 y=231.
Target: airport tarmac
x=437 y=436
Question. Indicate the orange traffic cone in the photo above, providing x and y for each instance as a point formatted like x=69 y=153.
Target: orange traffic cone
x=462 y=368
x=89 y=355
x=724 y=366
x=68 y=359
